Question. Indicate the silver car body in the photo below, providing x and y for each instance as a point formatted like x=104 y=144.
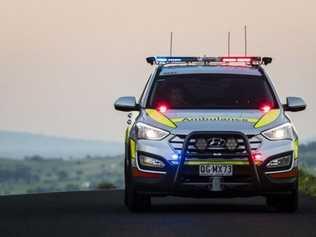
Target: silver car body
x=188 y=121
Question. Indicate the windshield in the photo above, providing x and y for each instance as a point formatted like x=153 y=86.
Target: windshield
x=211 y=91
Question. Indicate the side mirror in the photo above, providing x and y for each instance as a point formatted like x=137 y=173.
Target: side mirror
x=126 y=103
x=294 y=104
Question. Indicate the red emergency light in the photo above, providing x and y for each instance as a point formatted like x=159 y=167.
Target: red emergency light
x=265 y=108
x=162 y=108
x=242 y=59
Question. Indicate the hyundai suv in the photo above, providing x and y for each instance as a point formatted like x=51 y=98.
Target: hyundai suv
x=210 y=127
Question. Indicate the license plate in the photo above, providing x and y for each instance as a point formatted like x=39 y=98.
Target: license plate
x=216 y=170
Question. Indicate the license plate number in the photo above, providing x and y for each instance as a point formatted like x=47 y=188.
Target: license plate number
x=216 y=170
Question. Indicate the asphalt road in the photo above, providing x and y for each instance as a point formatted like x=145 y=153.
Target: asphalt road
x=101 y=213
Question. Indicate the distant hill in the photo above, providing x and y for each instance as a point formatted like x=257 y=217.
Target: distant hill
x=17 y=145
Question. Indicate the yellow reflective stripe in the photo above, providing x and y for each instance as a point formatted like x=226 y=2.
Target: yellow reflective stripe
x=127 y=134
x=133 y=148
x=252 y=120
x=268 y=118
x=160 y=118
x=177 y=120
x=295 y=148
x=217 y=162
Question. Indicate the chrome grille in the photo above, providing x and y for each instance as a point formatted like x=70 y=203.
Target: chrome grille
x=216 y=152
x=254 y=142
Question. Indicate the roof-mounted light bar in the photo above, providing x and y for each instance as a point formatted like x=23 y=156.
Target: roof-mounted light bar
x=158 y=60
x=161 y=60
x=240 y=59
x=247 y=60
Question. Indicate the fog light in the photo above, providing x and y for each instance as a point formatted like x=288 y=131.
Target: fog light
x=175 y=157
x=201 y=144
x=231 y=144
x=280 y=162
x=150 y=162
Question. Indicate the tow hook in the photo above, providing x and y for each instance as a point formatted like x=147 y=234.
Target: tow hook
x=215 y=184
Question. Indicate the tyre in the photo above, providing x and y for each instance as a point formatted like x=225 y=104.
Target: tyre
x=284 y=203
x=134 y=201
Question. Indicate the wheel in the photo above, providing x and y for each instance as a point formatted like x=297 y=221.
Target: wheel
x=284 y=203
x=134 y=201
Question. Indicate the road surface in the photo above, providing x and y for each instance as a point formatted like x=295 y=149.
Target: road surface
x=101 y=213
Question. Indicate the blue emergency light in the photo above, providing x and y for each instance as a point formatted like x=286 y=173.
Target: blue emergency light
x=169 y=60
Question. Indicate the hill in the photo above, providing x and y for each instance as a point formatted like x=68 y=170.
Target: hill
x=17 y=145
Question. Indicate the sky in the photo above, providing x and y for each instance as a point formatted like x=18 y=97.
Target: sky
x=64 y=62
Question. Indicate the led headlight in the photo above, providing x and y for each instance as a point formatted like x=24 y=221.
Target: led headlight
x=151 y=162
x=283 y=161
x=145 y=131
x=231 y=144
x=284 y=131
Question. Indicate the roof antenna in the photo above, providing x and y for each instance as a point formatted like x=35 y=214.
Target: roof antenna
x=171 y=41
x=228 y=44
x=245 y=30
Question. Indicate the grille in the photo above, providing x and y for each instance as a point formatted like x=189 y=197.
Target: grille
x=220 y=150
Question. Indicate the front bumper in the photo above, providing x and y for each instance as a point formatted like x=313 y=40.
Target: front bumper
x=250 y=179
x=163 y=185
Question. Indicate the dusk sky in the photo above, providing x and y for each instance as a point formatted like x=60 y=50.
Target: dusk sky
x=64 y=62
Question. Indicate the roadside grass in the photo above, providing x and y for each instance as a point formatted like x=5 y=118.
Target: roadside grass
x=307 y=183
x=54 y=175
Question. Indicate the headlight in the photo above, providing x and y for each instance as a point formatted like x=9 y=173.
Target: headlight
x=145 y=131
x=283 y=161
x=151 y=162
x=284 y=131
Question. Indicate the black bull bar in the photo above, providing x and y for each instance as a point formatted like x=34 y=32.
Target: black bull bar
x=186 y=144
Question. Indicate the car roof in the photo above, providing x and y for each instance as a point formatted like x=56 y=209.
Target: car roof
x=210 y=69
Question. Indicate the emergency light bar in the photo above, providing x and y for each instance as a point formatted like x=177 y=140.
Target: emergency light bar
x=161 y=60
x=165 y=60
x=158 y=60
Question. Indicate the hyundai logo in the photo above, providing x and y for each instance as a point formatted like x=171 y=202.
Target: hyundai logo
x=216 y=142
